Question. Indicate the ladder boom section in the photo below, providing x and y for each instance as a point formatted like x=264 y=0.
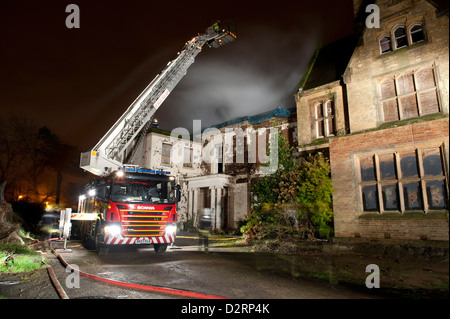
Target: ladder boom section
x=109 y=153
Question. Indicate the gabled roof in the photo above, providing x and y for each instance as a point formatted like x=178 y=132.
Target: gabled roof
x=328 y=63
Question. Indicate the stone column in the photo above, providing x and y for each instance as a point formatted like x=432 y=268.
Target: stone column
x=195 y=207
x=213 y=206
x=190 y=203
x=219 y=208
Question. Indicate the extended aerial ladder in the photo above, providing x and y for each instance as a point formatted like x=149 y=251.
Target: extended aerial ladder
x=110 y=152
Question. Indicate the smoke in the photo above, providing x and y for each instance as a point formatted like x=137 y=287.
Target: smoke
x=254 y=74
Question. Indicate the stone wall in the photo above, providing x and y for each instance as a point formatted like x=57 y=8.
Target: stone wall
x=368 y=66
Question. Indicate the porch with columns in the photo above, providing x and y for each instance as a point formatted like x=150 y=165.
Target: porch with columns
x=216 y=186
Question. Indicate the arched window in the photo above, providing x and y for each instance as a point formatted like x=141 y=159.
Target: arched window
x=385 y=44
x=400 y=38
x=416 y=33
x=324 y=118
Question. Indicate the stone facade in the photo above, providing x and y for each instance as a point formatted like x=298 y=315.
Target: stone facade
x=219 y=167
x=390 y=174
x=369 y=68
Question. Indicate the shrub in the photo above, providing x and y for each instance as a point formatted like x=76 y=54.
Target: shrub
x=297 y=198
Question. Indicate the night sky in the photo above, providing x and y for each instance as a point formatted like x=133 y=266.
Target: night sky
x=78 y=82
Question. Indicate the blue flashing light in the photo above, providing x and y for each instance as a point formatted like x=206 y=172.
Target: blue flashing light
x=143 y=170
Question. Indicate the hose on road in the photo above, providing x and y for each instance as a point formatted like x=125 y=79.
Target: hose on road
x=166 y=290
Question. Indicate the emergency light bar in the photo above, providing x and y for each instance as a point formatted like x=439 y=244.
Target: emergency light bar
x=143 y=170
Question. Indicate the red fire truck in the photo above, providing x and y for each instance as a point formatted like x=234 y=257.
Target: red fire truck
x=128 y=207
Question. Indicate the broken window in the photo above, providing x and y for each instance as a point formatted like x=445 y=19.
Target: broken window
x=385 y=44
x=408 y=181
x=187 y=157
x=165 y=153
x=417 y=34
x=436 y=194
x=324 y=118
x=370 y=198
x=412 y=196
x=320 y=128
x=390 y=197
x=400 y=37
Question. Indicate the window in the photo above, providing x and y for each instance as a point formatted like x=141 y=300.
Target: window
x=165 y=154
x=409 y=95
x=324 y=118
x=400 y=38
x=187 y=157
x=417 y=34
x=385 y=44
x=403 y=182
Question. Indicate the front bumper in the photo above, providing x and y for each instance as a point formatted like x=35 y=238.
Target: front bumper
x=120 y=240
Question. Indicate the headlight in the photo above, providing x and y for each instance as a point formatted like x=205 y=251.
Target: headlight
x=171 y=229
x=114 y=230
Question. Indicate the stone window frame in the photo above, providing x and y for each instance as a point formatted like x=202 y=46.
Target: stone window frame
x=399 y=181
x=324 y=118
x=165 y=158
x=395 y=37
x=408 y=36
x=388 y=40
x=188 y=151
x=410 y=33
x=418 y=92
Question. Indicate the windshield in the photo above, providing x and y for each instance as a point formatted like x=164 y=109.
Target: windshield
x=146 y=192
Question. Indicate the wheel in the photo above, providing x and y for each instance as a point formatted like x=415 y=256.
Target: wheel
x=160 y=248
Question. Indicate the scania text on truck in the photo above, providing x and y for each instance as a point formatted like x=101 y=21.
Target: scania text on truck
x=129 y=207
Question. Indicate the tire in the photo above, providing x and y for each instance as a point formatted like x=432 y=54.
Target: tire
x=87 y=242
x=160 y=248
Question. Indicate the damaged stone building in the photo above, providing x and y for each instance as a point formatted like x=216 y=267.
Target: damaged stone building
x=377 y=103
x=217 y=168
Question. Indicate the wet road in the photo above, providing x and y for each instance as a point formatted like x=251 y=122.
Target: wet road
x=235 y=273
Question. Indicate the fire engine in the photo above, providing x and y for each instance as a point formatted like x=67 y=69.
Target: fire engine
x=126 y=204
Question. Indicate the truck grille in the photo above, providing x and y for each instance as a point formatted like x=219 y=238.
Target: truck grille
x=138 y=223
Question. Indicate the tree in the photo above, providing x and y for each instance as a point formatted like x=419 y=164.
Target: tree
x=28 y=157
x=295 y=200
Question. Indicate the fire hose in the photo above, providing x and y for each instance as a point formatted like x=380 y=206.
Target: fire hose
x=160 y=289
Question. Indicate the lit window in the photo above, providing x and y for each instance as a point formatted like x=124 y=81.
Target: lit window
x=324 y=118
x=417 y=34
x=320 y=127
x=400 y=38
x=385 y=44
